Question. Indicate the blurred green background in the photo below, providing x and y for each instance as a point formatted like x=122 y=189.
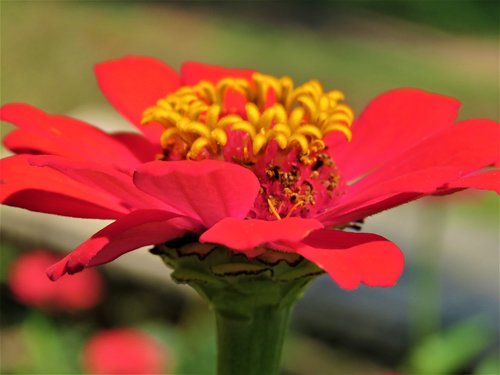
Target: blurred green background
x=48 y=49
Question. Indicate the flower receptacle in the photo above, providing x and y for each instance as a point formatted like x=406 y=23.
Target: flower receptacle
x=251 y=298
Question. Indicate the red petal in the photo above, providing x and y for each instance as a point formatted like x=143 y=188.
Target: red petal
x=134 y=83
x=358 y=204
x=207 y=190
x=46 y=190
x=101 y=178
x=489 y=180
x=354 y=258
x=425 y=169
x=64 y=136
x=391 y=124
x=243 y=235
x=137 y=144
x=467 y=146
x=194 y=72
x=137 y=229
x=361 y=211
x=24 y=142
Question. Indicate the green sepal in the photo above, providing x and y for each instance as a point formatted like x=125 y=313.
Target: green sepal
x=251 y=298
x=186 y=276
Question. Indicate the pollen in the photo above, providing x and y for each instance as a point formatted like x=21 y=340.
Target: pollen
x=204 y=120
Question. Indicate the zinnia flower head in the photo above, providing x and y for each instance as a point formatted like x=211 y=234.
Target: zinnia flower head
x=244 y=160
x=268 y=126
x=29 y=284
x=124 y=351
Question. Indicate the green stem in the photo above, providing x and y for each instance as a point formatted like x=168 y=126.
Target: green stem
x=253 y=345
x=252 y=300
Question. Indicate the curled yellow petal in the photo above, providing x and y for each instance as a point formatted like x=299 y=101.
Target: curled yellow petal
x=220 y=136
x=258 y=143
x=197 y=128
x=253 y=113
x=340 y=128
x=213 y=115
x=309 y=130
x=166 y=135
x=282 y=128
x=301 y=141
x=296 y=117
x=197 y=146
x=244 y=126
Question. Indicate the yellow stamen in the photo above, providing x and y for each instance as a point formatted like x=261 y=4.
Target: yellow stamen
x=197 y=128
x=220 y=136
x=166 y=135
x=301 y=140
x=310 y=130
x=301 y=116
x=244 y=126
x=197 y=146
x=272 y=209
x=341 y=128
x=253 y=113
x=213 y=115
x=259 y=142
x=294 y=207
x=283 y=128
x=296 y=117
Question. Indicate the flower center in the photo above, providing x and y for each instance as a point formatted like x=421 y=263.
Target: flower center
x=266 y=124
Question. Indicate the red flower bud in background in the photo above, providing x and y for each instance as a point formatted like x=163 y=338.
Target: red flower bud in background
x=29 y=284
x=124 y=351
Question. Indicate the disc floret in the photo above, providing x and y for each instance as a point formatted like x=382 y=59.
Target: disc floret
x=266 y=124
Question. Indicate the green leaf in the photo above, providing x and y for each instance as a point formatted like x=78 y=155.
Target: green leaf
x=447 y=352
x=489 y=366
x=7 y=255
x=48 y=350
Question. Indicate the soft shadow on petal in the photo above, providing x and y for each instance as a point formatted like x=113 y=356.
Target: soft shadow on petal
x=467 y=146
x=207 y=190
x=137 y=229
x=354 y=258
x=114 y=183
x=20 y=141
x=392 y=123
x=64 y=136
x=139 y=145
x=455 y=153
x=244 y=235
x=134 y=83
x=50 y=191
x=387 y=194
x=487 y=180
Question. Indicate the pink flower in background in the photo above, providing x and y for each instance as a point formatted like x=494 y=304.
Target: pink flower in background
x=244 y=160
x=124 y=351
x=29 y=284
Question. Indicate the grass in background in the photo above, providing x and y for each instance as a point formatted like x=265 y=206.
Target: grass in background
x=49 y=64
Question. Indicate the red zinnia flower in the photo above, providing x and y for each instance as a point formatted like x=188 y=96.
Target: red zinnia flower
x=124 y=351
x=247 y=161
x=29 y=284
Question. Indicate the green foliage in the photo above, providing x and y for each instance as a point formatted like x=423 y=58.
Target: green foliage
x=50 y=350
x=460 y=16
x=489 y=366
x=7 y=255
x=447 y=352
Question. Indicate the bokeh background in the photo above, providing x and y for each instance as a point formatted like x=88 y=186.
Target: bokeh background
x=442 y=318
